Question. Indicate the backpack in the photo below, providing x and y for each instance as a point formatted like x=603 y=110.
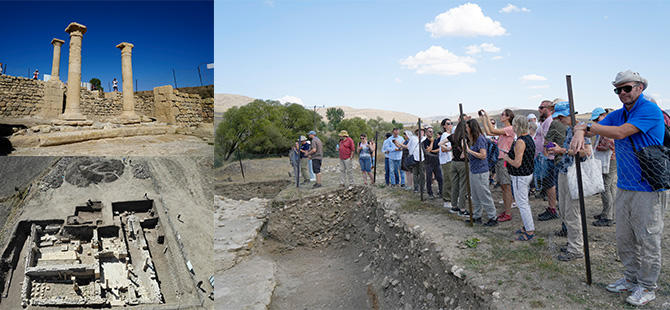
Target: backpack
x=666 y=120
x=491 y=153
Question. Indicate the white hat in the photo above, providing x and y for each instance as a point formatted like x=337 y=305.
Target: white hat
x=531 y=116
x=630 y=76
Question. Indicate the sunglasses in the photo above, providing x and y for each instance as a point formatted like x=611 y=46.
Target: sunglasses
x=447 y=123
x=625 y=89
x=541 y=107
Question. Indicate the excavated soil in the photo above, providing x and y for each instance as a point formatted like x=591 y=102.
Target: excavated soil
x=420 y=256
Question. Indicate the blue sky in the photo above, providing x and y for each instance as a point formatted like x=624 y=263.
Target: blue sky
x=424 y=57
x=167 y=35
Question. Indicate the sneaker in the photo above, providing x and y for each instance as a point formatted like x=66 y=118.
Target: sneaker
x=491 y=223
x=431 y=197
x=454 y=210
x=305 y=182
x=477 y=221
x=402 y=185
x=317 y=185
x=621 y=285
x=547 y=215
x=463 y=213
x=603 y=222
x=514 y=205
x=504 y=217
x=568 y=256
x=598 y=216
x=446 y=205
x=641 y=296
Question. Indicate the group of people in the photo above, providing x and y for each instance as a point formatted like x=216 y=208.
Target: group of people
x=539 y=153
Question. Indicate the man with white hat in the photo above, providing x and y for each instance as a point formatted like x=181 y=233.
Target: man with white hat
x=639 y=209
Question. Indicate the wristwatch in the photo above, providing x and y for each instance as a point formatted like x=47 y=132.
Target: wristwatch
x=588 y=127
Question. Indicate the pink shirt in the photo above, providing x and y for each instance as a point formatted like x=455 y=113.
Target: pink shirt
x=505 y=140
x=540 y=134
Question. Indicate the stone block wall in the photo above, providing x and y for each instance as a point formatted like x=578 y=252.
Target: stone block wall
x=19 y=96
x=23 y=97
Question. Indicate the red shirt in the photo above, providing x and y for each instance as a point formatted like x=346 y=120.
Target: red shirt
x=346 y=148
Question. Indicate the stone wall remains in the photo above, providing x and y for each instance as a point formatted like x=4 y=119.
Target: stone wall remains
x=23 y=97
x=20 y=96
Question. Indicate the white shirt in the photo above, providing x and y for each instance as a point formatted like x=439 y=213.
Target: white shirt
x=445 y=157
x=414 y=148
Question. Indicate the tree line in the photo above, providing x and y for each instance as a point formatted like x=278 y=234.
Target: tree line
x=266 y=128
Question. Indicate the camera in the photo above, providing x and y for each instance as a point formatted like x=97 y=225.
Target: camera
x=480 y=112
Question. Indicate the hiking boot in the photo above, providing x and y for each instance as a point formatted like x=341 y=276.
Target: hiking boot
x=561 y=233
x=504 y=217
x=491 y=223
x=547 y=215
x=603 y=222
x=641 y=296
x=477 y=221
x=621 y=285
x=568 y=256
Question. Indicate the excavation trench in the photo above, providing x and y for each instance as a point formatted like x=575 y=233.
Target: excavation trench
x=346 y=249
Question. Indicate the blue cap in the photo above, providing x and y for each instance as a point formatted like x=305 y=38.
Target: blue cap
x=561 y=108
x=596 y=113
x=312 y=133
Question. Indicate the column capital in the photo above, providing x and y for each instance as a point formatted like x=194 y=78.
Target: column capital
x=57 y=42
x=75 y=28
x=125 y=46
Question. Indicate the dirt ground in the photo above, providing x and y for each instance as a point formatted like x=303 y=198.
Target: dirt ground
x=186 y=201
x=523 y=275
x=169 y=144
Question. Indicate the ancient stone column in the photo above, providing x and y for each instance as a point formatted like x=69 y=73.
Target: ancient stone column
x=128 y=114
x=72 y=112
x=55 y=67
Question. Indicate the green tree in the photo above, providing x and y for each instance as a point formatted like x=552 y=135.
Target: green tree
x=96 y=82
x=261 y=128
x=334 y=116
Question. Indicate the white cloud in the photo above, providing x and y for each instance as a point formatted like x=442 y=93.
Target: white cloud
x=290 y=99
x=437 y=60
x=513 y=8
x=496 y=57
x=269 y=3
x=537 y=86
x=532 y=77
x=466 y=20
x=535 y=97
x=485 y=47
x=397 y=80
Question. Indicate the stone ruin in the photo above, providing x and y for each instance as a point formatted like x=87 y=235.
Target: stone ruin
x=98 y=257
x=58 y=104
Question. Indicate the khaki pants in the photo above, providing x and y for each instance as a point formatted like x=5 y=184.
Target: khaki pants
x=346 y=171
x=446 y=182
x=607 y=197
x=639 y=229
x=569 y=209
x=458 y=186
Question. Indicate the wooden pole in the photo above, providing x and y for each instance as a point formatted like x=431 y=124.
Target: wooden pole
x=421 y=171
x=374 y=176
x=582 y=209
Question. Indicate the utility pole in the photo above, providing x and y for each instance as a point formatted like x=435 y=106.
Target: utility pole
x=315 y=107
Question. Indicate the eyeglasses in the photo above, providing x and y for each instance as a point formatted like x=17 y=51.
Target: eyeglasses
x=625 y=89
